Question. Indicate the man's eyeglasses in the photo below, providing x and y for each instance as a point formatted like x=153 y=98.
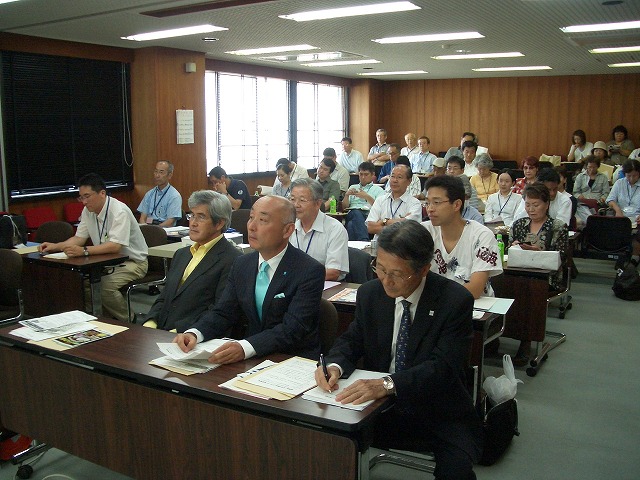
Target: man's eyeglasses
x=196 y=217
x=394 y=277
x=85 y=197
x=435 y=203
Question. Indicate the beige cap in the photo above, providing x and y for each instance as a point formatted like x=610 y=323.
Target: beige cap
x=438 y=162
x=599 y=144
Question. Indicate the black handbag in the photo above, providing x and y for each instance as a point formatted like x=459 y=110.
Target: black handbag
x=500 y=424
x=627 y=283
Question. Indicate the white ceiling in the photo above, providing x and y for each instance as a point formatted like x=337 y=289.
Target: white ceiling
x=528 y=26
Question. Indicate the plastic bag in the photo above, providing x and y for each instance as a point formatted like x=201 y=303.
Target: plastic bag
x=504 y=387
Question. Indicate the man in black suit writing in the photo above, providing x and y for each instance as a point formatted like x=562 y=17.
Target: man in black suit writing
x=416 y=325
x=198 y=273
x=277 y=288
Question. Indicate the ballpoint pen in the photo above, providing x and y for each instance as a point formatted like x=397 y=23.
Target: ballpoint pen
x=323 y=363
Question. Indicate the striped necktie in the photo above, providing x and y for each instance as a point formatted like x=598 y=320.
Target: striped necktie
x=402 y=343
x=262 y=284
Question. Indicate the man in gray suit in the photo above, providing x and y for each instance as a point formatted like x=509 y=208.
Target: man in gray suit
x=198 y=273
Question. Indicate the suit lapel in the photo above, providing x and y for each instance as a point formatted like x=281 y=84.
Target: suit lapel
x=386 y=308
x=205 y=264
x=279 y=277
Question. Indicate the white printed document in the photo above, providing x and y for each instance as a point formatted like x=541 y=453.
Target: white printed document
x=322 y=396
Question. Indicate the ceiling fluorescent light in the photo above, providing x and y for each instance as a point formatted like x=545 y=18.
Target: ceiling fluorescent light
x=620 y=65
x=176 y=32
x=7 y=1
x=262 y=51
x=406 y=72
x=436 y=37
x=615 y=49
x=601 y=27
x=479 y=55
x=351 y=11
x=341 y=62
x=511 y=69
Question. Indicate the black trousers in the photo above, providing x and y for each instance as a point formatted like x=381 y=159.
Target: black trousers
x=455 y=452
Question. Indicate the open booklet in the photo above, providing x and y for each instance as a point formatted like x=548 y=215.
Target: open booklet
x=322 y=396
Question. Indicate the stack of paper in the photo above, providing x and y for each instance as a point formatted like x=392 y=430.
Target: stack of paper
x=322 y=396
x=281 y=381
x=194 y=361
x=345 y=295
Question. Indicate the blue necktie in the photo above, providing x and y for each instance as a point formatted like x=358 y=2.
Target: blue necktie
x=402 y=343
x=262 y=284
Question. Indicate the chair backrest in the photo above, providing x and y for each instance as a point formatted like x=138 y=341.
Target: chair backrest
x=607 y=170
x=55 y=232
x=328 y=324
x=11 y=277
x=359 y=266
x=607 y=234
x=239 y=220
x=72 y=211
x=36 y=216
x=154 y=235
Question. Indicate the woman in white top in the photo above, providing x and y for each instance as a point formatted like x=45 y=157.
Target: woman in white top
x=503 y=204
x=580 y=148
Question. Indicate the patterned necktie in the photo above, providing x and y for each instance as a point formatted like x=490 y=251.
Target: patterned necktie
x=402 y=342
x=262 y=283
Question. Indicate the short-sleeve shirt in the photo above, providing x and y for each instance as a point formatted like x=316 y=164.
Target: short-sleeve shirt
x=330 y=188
x=559 y=208
x=627 y=197
x=422 y=162
x=115 y=223
x=581 y=152
x=407 y=206
x=326 y=241
x=341 y=175
x=351 y=161
x=476 y=251
x=360 y=203
x=503 y=207
x=159 y=205
x=238 y=190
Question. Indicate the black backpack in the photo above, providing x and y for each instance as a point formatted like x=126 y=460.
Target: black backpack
x=13 y=230
x=627 y=283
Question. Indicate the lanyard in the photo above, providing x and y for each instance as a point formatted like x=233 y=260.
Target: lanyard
x=505 y=203
x=635 y=190
x=156 y=203
x=391 y=207
x=104 y=224
x=313 y=232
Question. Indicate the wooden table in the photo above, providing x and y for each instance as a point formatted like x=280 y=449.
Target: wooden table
x=51 y=285
x=103 y=402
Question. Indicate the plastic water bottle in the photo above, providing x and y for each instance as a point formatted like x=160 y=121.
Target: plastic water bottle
x=332 y=204
x=500 y=247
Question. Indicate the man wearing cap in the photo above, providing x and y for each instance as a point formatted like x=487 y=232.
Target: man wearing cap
x=339 y=173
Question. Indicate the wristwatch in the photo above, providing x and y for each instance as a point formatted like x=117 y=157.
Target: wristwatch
x=86 y=252
x=389 y=386
x=384 y=222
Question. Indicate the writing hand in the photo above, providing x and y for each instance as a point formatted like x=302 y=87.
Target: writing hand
x=186 y=341
x=362 y=391
x=229 y=352
x=332 y=384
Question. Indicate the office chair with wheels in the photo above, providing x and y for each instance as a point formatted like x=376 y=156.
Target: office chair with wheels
x=54 y=232
x=328 y=325
x=158 y=267
x=11 y=304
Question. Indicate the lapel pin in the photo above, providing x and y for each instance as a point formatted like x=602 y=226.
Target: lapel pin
x=431 y=312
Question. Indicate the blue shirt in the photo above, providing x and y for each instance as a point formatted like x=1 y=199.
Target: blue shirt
x=159 y=205
x=627 y=197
